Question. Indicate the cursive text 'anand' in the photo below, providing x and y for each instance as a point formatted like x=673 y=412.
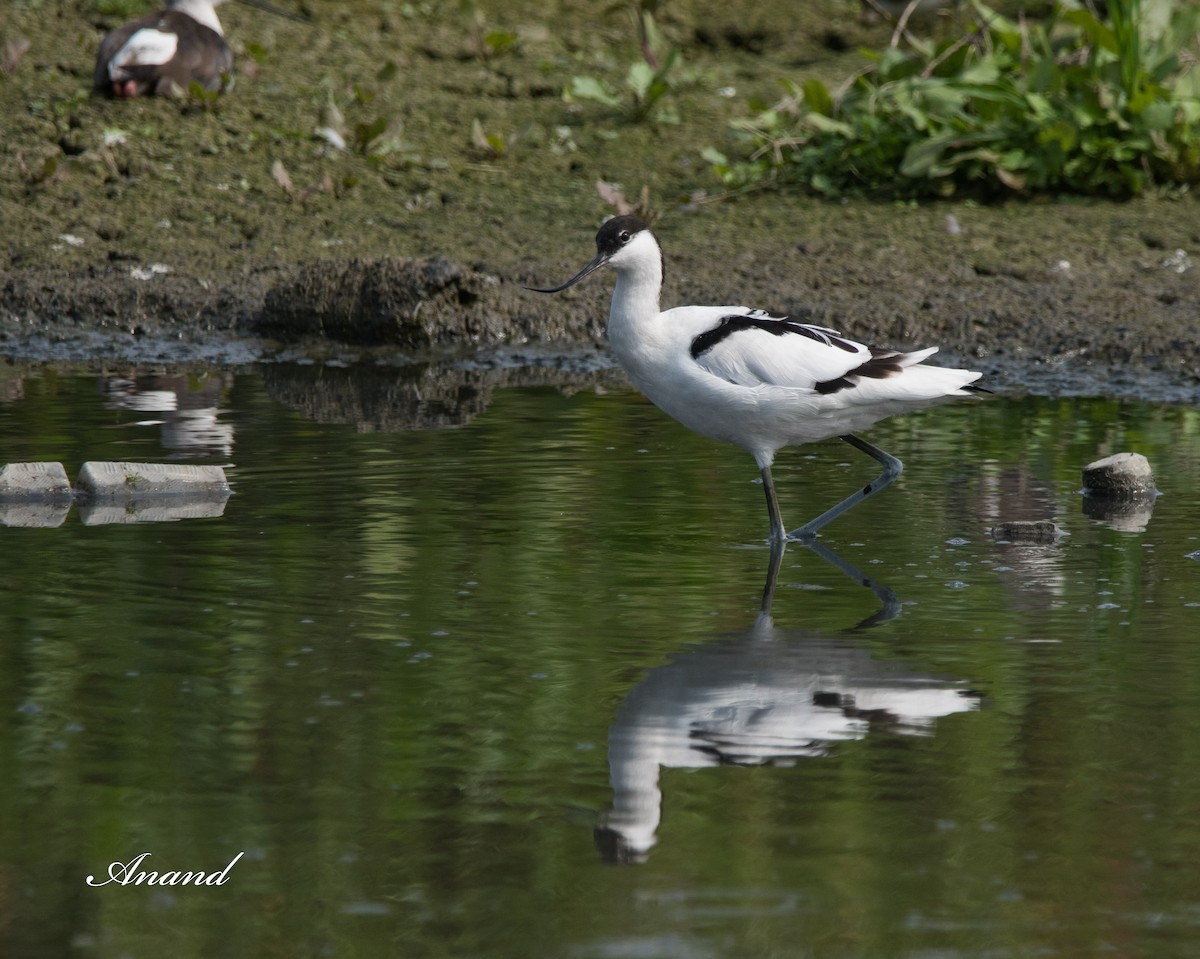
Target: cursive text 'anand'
x=131 y=874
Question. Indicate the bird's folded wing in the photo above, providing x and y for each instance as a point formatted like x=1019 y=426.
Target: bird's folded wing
x=756 y=348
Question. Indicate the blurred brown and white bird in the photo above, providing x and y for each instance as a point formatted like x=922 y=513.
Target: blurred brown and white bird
x=164 y=53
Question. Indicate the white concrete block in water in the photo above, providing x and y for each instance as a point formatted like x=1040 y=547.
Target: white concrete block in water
x=36 y=481
x=108 y=481
x=160 y=511
x=1125 y=475
x=33 y=512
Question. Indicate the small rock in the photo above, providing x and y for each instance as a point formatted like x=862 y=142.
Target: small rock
x=1122 y=475
x=37 y=481
x=128 y=481
x=1042 y=532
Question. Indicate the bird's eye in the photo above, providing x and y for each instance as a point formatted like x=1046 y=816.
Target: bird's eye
x=624 y=237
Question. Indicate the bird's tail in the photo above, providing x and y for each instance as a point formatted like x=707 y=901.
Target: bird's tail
x=947 y=380
x=917 y=381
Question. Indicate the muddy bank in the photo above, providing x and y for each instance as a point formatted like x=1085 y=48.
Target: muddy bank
x=1110 y=297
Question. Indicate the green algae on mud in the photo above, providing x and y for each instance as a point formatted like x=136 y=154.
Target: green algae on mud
x=182 y=222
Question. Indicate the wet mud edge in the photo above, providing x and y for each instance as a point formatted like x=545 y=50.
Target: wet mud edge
x=1138 y=336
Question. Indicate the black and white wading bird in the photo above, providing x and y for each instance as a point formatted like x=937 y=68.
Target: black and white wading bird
x=757 y=380
x=164 y=53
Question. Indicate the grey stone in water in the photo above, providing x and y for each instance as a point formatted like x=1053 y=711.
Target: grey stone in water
x=125 y=482
x=1122 y=475
x=1041 y=532
x=34 y=481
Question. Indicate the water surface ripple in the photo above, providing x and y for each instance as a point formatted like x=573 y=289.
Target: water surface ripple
x=483 y=672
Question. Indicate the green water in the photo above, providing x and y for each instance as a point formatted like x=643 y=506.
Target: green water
x=399 y=670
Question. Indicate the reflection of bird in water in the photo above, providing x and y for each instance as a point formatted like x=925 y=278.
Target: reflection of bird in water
x=189 y=411
x=757 y=380
x=164 y=53
x=762 y=697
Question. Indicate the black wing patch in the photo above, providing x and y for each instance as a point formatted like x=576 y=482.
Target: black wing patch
x=881 y=365
x=773 y=323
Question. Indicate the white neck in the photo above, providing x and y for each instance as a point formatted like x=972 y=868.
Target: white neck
x=639 y=283
x=202 y=11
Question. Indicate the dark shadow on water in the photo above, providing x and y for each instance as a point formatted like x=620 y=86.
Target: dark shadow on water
x=765 y=696
x=417 y=396
x=1130 y=514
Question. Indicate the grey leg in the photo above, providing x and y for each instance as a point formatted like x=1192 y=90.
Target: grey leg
x=892 y=468
x=778 y=533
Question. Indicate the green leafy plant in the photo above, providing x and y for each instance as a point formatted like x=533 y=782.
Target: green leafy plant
x=257 y=53
x=484 y=43
x=1068 y=104
x=202 y=98
x=648 y=81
